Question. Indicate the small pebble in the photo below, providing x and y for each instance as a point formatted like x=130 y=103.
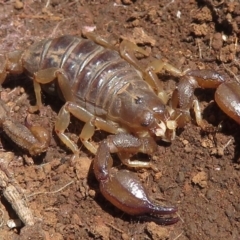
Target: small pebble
x=210 y=194
x=18 y=5
x=187 y=149
x=91 y=193
x=16 y=108
x=180 y=177
x=14 y=223
x=125 y=236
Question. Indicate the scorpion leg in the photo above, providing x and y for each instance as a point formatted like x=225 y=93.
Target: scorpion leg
x=127 y=50
x=144 y=145
x=47 y=76
x=125 y=159
x=88 y=130
x=158 y=66
x=99 y=40
x=122 y=188
x=10 y=62
x=63 y=119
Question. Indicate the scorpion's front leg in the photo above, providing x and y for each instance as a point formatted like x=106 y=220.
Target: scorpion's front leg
x=10 y=63
x=127 y=50
x=122 y=188
x=63 y=120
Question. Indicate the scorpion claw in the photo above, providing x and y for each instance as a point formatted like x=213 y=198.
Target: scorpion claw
x=123 y=188
x=125 y=191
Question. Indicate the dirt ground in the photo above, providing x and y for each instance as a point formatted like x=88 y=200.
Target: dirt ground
x=198 y=172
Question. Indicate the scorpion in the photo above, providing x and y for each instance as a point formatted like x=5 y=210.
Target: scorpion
x=111 y=90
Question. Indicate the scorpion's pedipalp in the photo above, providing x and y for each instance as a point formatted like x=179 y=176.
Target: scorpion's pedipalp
x=183 y=98
x=125 y=191
x=229 y=105
x=35 y=139
x=123 y=188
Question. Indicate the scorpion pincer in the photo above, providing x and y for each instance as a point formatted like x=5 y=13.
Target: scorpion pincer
x=106 y=89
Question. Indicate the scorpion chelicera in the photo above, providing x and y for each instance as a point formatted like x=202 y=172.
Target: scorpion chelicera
x=105 y=88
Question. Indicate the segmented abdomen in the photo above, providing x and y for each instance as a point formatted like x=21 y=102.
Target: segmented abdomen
x=96 y=74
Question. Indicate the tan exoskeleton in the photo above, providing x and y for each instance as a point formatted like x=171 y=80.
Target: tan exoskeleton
x=105 y=89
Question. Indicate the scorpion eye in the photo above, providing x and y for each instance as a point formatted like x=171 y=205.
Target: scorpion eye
x=145 y=124
x=138 y=100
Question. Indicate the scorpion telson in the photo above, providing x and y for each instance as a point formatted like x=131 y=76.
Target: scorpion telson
x=112 y=91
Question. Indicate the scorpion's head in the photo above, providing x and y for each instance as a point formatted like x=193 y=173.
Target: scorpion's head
x=154 y=117
x=141 y=112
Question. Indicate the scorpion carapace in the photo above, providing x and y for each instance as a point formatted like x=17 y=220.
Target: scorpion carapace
x=106 y=89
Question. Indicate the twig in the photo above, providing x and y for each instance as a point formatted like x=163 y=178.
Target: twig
x=2 y=218
x=53 y=192
x=178 y=236
x=117 y=229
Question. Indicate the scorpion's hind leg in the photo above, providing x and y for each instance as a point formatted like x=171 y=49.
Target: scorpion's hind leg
x=122 y=188
x=10 y=63
x=46 y=76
